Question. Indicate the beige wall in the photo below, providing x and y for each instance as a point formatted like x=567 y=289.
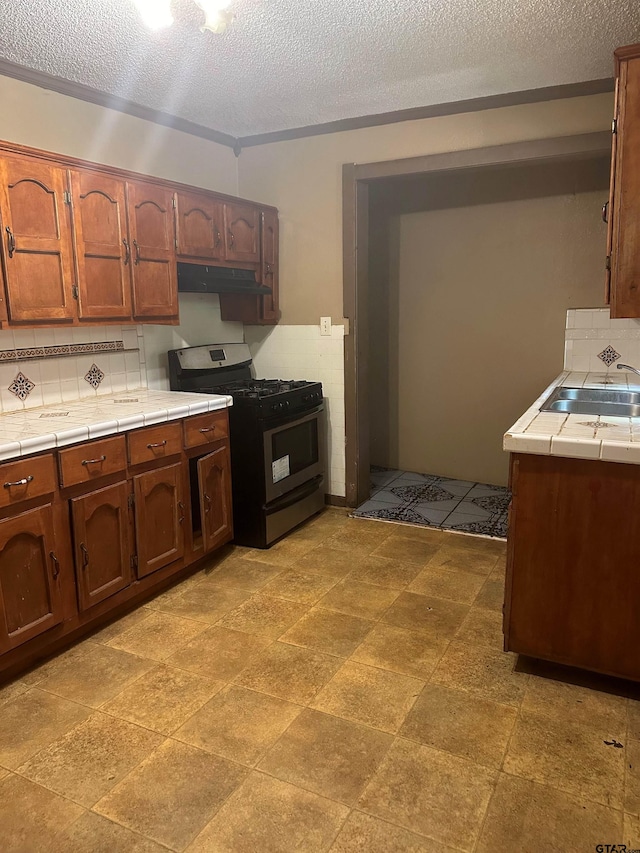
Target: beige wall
x=303 y=178
x=474 y=301
x=43 y=119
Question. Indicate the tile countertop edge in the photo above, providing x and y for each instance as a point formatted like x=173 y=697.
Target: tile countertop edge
x=157 y=407
x=560 y=439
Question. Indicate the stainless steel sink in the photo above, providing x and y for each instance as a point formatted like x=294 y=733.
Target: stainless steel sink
x=593 y=401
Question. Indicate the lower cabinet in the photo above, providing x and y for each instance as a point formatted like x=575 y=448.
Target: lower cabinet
x=30 y=596
x=76 y=547
x=159 y=517
x=572 y=586
x=214 y=483
x=102 y=543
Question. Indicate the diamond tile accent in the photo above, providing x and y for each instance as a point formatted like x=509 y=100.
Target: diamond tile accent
x=596 y=424
x=21 y=386
x=94 y=376
x=54 y=415
x=609 y=355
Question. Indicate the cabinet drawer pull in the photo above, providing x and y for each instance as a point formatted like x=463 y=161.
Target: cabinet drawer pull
x=22 y=482
x=56 y=565
x=94 y=461
x=137 y=248
x=11 y=241
x=208 y=429
x=232 y=239
x=181 y=506
x=605 y=212
x=207 y=500
x=157 y=444
x=127 y=252
x=218 y=239
x=85 y=555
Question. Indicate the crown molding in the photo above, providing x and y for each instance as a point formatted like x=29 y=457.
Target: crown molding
x=114 y=102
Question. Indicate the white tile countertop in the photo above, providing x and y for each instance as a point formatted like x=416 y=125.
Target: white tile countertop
x=46 y=427
x=581 y=436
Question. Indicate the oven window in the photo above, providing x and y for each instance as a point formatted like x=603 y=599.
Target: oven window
x=299 y=443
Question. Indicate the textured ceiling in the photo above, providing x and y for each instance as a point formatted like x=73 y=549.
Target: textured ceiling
x=291 y=63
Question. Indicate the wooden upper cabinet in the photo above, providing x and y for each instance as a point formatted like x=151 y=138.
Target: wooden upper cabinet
x=30 y=598
x=214 y=481
x=242 y=232
x=200 y=226
x=101 y=543
x=36 y=240
x=159 y=516
x=270 y=265
x=624 y=205
x=103 y=250
x=153 y=251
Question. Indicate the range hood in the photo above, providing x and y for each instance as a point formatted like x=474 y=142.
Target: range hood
x=194 y=278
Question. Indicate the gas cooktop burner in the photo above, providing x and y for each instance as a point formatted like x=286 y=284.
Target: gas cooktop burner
x=260 y=388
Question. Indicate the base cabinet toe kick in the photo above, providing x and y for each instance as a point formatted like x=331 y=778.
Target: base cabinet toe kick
x=573 y=563
x=89 y=531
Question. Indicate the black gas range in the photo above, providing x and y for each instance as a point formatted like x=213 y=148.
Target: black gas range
x=277 y=431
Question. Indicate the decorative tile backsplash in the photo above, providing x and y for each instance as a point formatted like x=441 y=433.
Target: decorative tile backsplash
x=43 y=366
x=596 y=343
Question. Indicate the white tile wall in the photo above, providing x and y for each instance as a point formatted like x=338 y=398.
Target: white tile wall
x=589 y=331
x=301 y=352
x=61 y=379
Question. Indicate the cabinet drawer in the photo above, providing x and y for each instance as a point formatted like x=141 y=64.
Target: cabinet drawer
x=27 y=478
x=157 y=442
x=88 y=462
x=203 y=429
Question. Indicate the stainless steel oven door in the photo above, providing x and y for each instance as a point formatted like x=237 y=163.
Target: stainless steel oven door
x=294 y=452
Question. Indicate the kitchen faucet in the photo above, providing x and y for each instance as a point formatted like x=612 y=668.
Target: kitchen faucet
x=628 y=367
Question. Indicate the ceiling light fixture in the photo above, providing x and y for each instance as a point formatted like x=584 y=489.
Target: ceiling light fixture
x=156 y=14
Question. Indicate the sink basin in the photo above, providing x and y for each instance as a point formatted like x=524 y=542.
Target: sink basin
x=593 y=401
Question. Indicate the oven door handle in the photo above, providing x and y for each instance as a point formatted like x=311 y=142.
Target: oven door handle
x=294 y=496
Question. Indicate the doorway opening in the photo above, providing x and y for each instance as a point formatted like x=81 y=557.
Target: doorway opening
x=458 y=272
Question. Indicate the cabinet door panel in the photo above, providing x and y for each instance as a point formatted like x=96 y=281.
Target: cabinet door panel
x=200 y=226
x=214 y=480
x=152 y=230
x=159 y=518
x=102 y=245
x=29 y=589
x=102 y=543
x=270 y=265
x=624 y=210
x=37 y=247
x=242 y=233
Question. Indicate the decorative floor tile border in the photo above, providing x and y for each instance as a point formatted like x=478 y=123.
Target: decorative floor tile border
x=432 y=501
x=29 y=353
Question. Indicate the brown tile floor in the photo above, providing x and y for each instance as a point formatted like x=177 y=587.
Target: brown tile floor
x=345 y=691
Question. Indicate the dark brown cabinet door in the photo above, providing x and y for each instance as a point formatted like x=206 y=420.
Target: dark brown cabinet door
x=270 y=264
x=36 y=240
x=159 y=517
x=214 y=481
x=101 y=543
x=30 y=597
x=153 y=251
x=199 y=223
x=102 y=245
x=624 y=204
x=242 y=233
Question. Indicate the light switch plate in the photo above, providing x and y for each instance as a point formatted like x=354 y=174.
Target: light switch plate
x=325 y=325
